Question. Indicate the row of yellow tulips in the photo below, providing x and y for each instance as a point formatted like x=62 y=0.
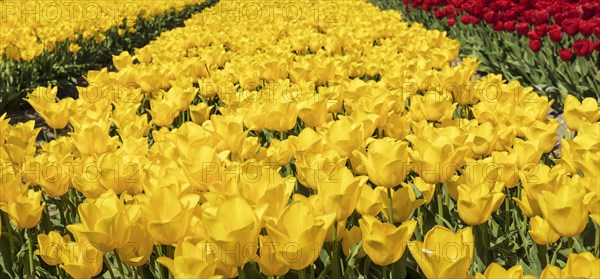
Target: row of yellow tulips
x=31 y=26
x=319 y=146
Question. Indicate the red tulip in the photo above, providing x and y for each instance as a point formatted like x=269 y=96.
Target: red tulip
x=582 y=47
x=451 y=21
x=490 y=17
x=555 y=34
x=596 y=46
x=523 y=28
x=571 y=26
x=510 y=26
x=588 y=10
x=566 y=54
x=586 y=28
x=541 y=30
x=535 y=45
x=439 y=14
x=534 y=36
x=498 y=26
x=466 y=19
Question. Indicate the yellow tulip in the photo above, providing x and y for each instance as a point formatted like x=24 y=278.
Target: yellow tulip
x=279 y=152
x=535 y=179
x=234 y=227
x=262 y=185
x=55 y=114
x=543 y=132
x=182 y=97
x=228 y=129
x=583 y=265
x=92 y=139
x=168 y=215
x=577 y=113
x=135 y=247
x=476 y=203
x=528 y=152
x=350 y=238
x=397 y=126
x=568 y=205
x=202 y=167
x=386 y=161
x=98 y=218
x=122 y=60
x=308 y=141
x=12 y=183
x=437 y=160
x=192 y=261
x=508 y=168
x=313 y=113
x=299 y=234
x=345 y=136
x=485 y=139
x=340 y=192
x=551 y=272
x=312 y=167
x=19 y=149
x=427 y=190
x=268 y=262
x=200 y=113
x=444 y=254
x=432 y=106
x=495 y=270
x=51 y=247
x=163 y=111
x=385 y=243
x=121 y=172
x=404 y=203
x=369 y=202
x=541 y=232
x=475 y=173
x=81 y=259
x=25 y=211
x=277 y=116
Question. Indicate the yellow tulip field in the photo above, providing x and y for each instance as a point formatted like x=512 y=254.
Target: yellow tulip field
x=297 y=139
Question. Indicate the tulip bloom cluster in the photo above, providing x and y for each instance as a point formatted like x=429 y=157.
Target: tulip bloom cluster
x=319 y=146
x=521 y=39
x=555 y=19
x=32 y=26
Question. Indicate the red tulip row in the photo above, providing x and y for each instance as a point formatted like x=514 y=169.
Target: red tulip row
x=573 y=24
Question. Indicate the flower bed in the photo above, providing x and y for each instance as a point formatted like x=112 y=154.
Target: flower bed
x=551 y=45
x=320 y=146
x=46 y=42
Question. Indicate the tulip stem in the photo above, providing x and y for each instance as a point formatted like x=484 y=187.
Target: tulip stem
x=30 y=246
x=110 y=271
x=570 y=244
x=597 y=241
x=119 y=263
x=440 y=206
x=543 y=255
x=10 y=239
x=507 y=212
x=241 y=274
x=384 y=273
x=390 y=205
x=59 y=273
x=335 y=253
x=484 y=240
x=302 y=273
